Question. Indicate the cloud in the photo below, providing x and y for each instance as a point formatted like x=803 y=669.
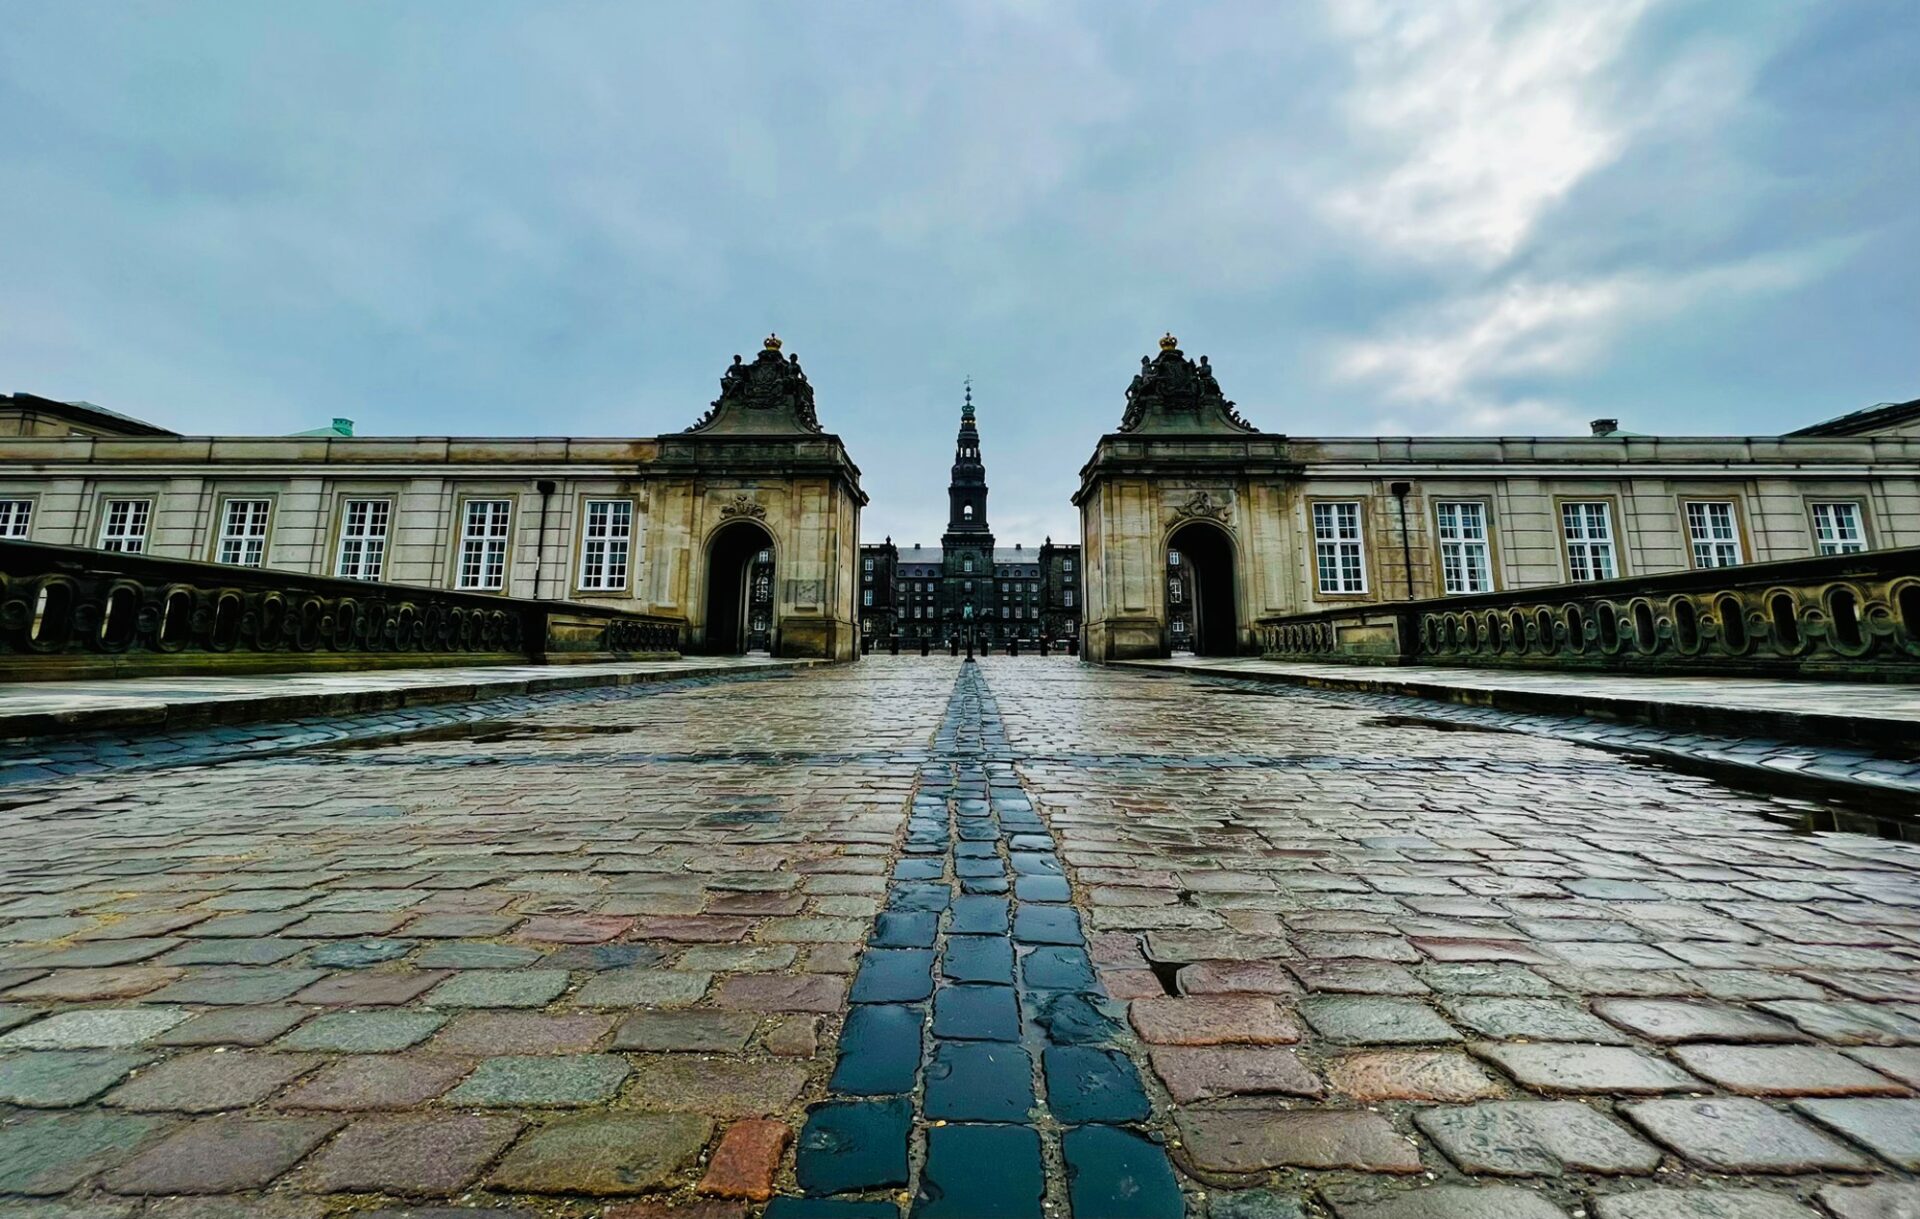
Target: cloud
x=1453 y=367
x=1476 y=116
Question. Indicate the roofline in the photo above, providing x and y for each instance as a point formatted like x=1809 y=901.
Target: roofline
x=1855 y=422
x=80 y=412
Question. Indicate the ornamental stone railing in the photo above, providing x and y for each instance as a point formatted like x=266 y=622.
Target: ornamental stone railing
x=1852 y=615
x=72 y=612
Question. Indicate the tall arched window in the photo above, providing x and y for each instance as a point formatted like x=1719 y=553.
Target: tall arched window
x=966 y=511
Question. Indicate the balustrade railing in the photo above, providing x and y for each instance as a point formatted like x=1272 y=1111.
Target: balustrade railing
x=1842 y=615
x=66 y=611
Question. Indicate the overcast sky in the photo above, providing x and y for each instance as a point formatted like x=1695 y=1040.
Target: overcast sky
x=1433 y=216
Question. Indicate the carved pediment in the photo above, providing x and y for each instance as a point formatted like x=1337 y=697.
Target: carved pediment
x=1202 y=506
x=770 y=396
x=742 y=506
x=1173 y=394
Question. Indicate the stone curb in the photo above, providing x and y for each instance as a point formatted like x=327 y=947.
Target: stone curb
x=190 y=712
x=1867 y=789
x=1780 y=724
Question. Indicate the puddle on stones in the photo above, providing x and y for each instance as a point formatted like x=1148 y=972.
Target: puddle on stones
x=481 y=732
x=1420 y=721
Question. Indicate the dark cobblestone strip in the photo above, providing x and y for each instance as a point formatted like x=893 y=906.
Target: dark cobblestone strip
x=979 y=1073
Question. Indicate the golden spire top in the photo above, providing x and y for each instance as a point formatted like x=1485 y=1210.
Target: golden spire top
x=1169 y=343
x=772 y=343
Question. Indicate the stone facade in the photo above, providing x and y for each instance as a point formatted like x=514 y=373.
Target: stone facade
x=680 y=525
x=1008 y=593
x=1278 y=525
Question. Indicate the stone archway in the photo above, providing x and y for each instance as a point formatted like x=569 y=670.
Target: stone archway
x=1208 y=549
x=731 y=555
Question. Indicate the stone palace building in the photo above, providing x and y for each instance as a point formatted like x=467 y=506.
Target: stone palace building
x=1272 y=525
x=745 y=526
x=1195 y=525
x=1002 y=593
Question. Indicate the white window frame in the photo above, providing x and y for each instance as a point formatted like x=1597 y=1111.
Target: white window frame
x=868 y=594
x=245 y=521
x=486 y=530
x=130 y=533
x=16 y=519
x=1339 y=547
x=1592 y=552
x=1466 y=546
x=1068 y=601
x=1839 y=526
x=1713 y=532
x=366 y=524
x=606 y=545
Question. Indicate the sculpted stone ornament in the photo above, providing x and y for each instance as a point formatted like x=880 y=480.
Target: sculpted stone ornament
x=741 y=506
x=1201 y=505
x=770 y=396
x=1173 y=394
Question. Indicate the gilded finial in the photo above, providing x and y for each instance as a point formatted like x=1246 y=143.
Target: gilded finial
x=1168 y=342
x=967 y=410
x=772 y=343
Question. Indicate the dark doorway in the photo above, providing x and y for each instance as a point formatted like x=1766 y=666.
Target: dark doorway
x=1207 y=553
x=740 y=590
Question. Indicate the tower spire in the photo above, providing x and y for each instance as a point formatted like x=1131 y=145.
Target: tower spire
x=966 y=412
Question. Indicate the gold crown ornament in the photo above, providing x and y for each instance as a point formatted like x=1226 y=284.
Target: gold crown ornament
x=1168 y=342
x=772 y=343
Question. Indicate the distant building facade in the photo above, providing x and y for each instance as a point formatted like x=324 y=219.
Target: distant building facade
x=1001 y=593
x=744 y=526
x=879 y=575
x=1267 y=525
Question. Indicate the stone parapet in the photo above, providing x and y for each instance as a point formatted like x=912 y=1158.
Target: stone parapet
x=1852 y=616
x=69 y=612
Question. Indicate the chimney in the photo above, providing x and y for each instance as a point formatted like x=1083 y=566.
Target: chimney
x=1605 y=427
x=1016 y=545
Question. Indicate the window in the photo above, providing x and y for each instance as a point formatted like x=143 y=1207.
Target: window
x=607 y=545
x=1173 y=558
x=123 y=526
x=966 y=564
x=243 y=532
x=869 y=598
x=1067 y=563
x=1466 y=563
x=1175 y=593
x=1836 y=528
x=966 y=512
x=1338 y=549
x=1716 y=539
x=1179 y=626
x=363 y=539
x=483 y=544
x=1068 y=602
x=15 y=517
x=869 y=564
x=1588 y=530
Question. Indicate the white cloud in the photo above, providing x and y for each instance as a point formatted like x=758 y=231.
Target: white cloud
x=1480 y=115
x=1449 y=367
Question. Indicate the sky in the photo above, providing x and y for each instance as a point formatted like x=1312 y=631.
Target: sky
x=474 y=217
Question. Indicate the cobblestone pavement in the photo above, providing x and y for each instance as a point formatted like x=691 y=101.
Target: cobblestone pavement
x=1025 y=937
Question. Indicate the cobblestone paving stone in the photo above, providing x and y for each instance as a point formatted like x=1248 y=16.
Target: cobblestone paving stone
x=926 y=938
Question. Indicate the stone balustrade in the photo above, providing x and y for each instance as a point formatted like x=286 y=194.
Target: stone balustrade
x=69 y=612
x=1841 y=615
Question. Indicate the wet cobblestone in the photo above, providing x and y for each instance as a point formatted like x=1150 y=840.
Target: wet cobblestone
x=1138 y=944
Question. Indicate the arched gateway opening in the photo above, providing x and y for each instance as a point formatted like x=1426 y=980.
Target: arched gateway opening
x=1207 y=552
x=740 y=590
